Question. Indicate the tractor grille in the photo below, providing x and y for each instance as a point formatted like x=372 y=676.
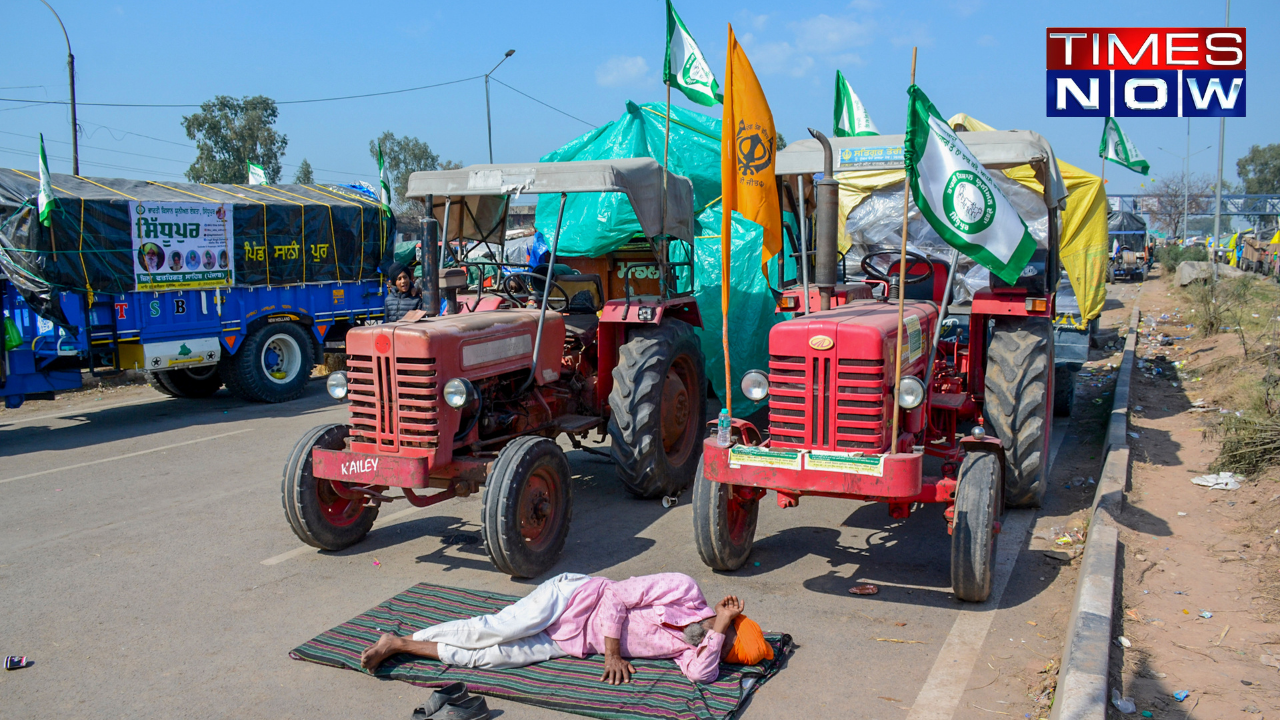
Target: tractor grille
x=826 y=404
x=393 y=401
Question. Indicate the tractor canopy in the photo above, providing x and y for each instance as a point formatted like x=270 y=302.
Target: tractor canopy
x=1127 y=230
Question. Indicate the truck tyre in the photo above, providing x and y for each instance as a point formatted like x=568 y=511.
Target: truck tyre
x=724 y=523
x=528 y=502
x=273 y=364
x=200 y=382
x=159 y=381
x=318 y=515
x=1016 y=403
x=658 y=408
x=1064 y=391
x=973 y=536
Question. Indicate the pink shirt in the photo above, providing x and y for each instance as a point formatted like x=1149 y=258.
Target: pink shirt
x=647 y=614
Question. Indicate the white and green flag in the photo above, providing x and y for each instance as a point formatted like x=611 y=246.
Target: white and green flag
x=959 y=197
x=46 y=201
x=1117 y=148
x=686 y=68
x=852 y=119
x=257 y=176
x=384 y=184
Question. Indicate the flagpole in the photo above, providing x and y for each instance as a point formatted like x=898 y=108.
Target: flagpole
x=902 y=281
x=666 y=149
x=726 y=224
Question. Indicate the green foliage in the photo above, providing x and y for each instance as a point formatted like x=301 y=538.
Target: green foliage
x=229 y=133
x=403 y=156
x=1170 y=256
x=1259 y=170
x=782 y=142
x=304 y=175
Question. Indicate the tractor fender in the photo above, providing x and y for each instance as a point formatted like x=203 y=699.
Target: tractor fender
x=649 y=310
x=987 y=444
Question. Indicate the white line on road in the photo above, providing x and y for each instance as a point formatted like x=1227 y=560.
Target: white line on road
x=300 y=550
x=78 y=411
x=950 y=674
x=122 y=457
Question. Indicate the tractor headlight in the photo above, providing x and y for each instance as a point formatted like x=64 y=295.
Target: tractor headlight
x=337 y=385
x=912 y=392
x=458 y=393
x=755 y=385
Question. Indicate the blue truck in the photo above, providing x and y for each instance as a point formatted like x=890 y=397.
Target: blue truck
x=254 y=309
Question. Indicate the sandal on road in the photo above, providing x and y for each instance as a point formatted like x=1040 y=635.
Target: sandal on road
x=454 y=693
x=473 y=708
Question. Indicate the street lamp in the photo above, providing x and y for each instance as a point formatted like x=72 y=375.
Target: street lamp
x=1186 y=167
x=488 y=119
x=71 y=75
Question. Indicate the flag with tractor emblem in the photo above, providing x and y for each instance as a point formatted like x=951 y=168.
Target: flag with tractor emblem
x=257 y=176
x=45 y=202
x=1117 y=148
x=852 y=119
x=958 y=197
x=384 y=184
x=686 y=68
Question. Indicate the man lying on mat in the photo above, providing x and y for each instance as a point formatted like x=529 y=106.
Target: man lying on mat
x=653 y=617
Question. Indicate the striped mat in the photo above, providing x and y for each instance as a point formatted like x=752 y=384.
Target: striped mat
x=657 y=690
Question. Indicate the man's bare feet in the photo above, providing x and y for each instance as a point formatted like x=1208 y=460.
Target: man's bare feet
x=377 y=653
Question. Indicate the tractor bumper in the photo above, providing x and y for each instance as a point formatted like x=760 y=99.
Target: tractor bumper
x=895 y=477
x=363 y=469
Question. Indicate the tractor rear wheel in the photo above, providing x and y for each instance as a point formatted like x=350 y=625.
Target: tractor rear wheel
x=659 y=409
x=1064 y=391
x=1017 y=402
x=528 y=502
x=319 y=516
x=973 y=535
x=724 y=523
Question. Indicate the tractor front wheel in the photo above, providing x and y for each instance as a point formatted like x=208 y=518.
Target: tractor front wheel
x=528 y=502
x=659 y=409
x=724 y=523
x=973 y=536
x=318 y=514
x=1017 y=403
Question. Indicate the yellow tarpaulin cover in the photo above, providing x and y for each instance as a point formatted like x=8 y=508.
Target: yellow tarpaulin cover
x=1083 y=244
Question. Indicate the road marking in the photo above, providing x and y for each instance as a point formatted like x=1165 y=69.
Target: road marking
x=379 y=523
x=950 y=674
x=78 y=411
x=122 y=457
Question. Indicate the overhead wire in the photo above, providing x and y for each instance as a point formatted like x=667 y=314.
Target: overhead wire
x=544 y=104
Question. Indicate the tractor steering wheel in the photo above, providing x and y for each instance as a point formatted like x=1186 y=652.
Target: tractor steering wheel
x=518 y=288
x=912 y=278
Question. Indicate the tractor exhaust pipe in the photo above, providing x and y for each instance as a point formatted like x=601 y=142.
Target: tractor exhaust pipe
x=428 y=259
x=826 y=196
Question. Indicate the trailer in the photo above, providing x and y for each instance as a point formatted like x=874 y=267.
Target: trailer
x=196 y=285
x=1131 y=249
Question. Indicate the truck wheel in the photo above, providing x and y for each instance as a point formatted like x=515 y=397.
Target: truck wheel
x=159 y=381
x=1016 y=403
x=658 y=409
x=1064 y=391
x=319 y=516
x=973 y=535
x=272 y=365
x=198 y=382
x=528 y=502
x=724 y=524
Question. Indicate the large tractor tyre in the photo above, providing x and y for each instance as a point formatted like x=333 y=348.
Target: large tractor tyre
x=973 y=536
x=159 y=381
x=1017 y=403
x=527 y=506
x=273 y=364
x=1064 y=391
x=659 y=409
x=1111 y=276
x=201 y=382
x=319 y=516
x=724 y=523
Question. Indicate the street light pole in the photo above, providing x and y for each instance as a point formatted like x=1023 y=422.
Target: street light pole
x=488 y=119
x=71 y=76
x=1217 y=195
x=1186 y=165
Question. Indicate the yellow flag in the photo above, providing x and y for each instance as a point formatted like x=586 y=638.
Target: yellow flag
x=748 y=150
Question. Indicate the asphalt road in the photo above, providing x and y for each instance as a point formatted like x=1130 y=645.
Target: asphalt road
x=132 y=572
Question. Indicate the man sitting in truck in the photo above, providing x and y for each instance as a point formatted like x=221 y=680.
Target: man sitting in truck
x=402 y=296
x=654 y=616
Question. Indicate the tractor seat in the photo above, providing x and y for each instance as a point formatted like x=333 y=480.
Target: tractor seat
x=581 y=325
x=929 y=290
x=585 y=291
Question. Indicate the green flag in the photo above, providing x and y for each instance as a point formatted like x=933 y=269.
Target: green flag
x=1117 y=148
x=958 y=197
x=46 y=201
x=384 y=182
x=685 y=67
x=257 y=176
x=851 y=117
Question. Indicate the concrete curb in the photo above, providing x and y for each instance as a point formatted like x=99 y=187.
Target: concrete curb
x=1086 y=657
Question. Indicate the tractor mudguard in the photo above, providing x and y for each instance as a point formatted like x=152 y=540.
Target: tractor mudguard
x=650 y=309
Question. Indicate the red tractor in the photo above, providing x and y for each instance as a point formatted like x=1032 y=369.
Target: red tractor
x=830 y=379
x=476 y=398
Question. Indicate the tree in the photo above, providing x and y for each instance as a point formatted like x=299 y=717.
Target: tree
x=1168 y=191
x=1259 y=171
x=404 y=156
x=782 y=142
x=304 y=175
x=230 y=133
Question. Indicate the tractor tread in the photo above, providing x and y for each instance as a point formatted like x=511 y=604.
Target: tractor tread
x=1016 y=403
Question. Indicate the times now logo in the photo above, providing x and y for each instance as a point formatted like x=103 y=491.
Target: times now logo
x=1145 y=72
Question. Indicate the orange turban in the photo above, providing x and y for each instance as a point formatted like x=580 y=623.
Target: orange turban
x=749 y=645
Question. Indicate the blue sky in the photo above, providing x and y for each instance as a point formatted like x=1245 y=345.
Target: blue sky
x=983 y=57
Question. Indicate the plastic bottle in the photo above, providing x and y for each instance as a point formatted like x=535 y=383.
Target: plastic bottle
x=722 y=429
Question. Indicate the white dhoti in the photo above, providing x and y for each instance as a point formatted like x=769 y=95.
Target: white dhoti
x=512 y=637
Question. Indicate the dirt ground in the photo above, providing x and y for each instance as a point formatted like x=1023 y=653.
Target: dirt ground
x=1199 y=565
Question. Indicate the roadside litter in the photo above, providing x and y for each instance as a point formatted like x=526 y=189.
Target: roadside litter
x=1123 y=704
x=1221 y=481
x=1124 y=642
x=13 y=662
x=1181 y=695
x=864 y=590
